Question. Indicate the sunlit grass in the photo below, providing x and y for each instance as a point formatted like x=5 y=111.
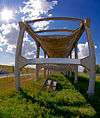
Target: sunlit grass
x=35 y=102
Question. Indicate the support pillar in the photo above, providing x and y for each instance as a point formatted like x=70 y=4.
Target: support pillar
x=47 y=72
x=18 y=54
x=70 y=73
x=76 y=67
x=37 y=56
x=92 y=60
x=45 y=76
x=17 y=79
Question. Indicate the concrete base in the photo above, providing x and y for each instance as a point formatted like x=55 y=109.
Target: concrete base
x=17 y=79
x=91 y=87
x=76 y=78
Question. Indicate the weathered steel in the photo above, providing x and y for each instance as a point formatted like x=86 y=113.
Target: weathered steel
x=55 y=30
x=92 y=60
x=56 y=18
x=76 y=67
x=53 y=61
x=58 y=48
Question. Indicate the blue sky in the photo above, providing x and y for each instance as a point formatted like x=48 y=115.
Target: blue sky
x=83 y=9
x=69 y=8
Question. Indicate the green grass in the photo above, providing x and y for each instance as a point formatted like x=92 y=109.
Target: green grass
x=69 y=101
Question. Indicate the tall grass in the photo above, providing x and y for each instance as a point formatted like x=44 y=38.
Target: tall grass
x=33 y=101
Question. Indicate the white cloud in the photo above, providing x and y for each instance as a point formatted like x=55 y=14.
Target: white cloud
x=34 y=9
x=10 y=33
x=31 y=9
x=28 y=49
x=83 y=50
x=1 y=50
x=2 y=39
x=41 y=25
x=8 y=37
x=11 y=49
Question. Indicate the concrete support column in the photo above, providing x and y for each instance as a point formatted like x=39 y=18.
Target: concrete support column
x=70 y=74
x=76 y=67
x=18 y=54
x=37 y=56
x=91 y=86
x=45 y=75
x=48 y=71
x=17 y=78
x=92 y=60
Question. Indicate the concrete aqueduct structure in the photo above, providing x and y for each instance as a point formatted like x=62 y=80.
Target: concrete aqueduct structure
x=57 y=50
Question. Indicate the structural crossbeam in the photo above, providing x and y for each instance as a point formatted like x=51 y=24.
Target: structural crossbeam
x=53 y=61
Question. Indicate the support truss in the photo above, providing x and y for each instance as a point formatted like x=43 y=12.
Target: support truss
x=52 y=63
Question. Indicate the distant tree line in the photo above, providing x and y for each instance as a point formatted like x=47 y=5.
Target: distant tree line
x=97 y=69
x=10 y=69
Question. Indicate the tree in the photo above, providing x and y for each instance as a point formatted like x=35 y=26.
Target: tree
x=97 y=69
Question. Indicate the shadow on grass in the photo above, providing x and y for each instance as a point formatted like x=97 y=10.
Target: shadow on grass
x=57 y=108
x=82 y=87
x=26 y=96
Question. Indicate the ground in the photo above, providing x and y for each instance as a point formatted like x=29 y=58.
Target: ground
x=33 y=101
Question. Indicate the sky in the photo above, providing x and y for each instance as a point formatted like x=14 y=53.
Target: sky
x=20 y=10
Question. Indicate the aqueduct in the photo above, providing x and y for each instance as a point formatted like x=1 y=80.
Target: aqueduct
x=57 y=50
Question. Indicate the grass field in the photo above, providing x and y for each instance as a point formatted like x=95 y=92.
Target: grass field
x=68 y=101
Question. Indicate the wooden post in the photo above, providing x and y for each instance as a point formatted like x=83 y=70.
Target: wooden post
x=70 y=74
x=37 y=56
x=92 y=60
x=17 y=78
x=48 y=68
x=44 y=67
x=18 y=54
x=76 y=67
x=47 y=72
